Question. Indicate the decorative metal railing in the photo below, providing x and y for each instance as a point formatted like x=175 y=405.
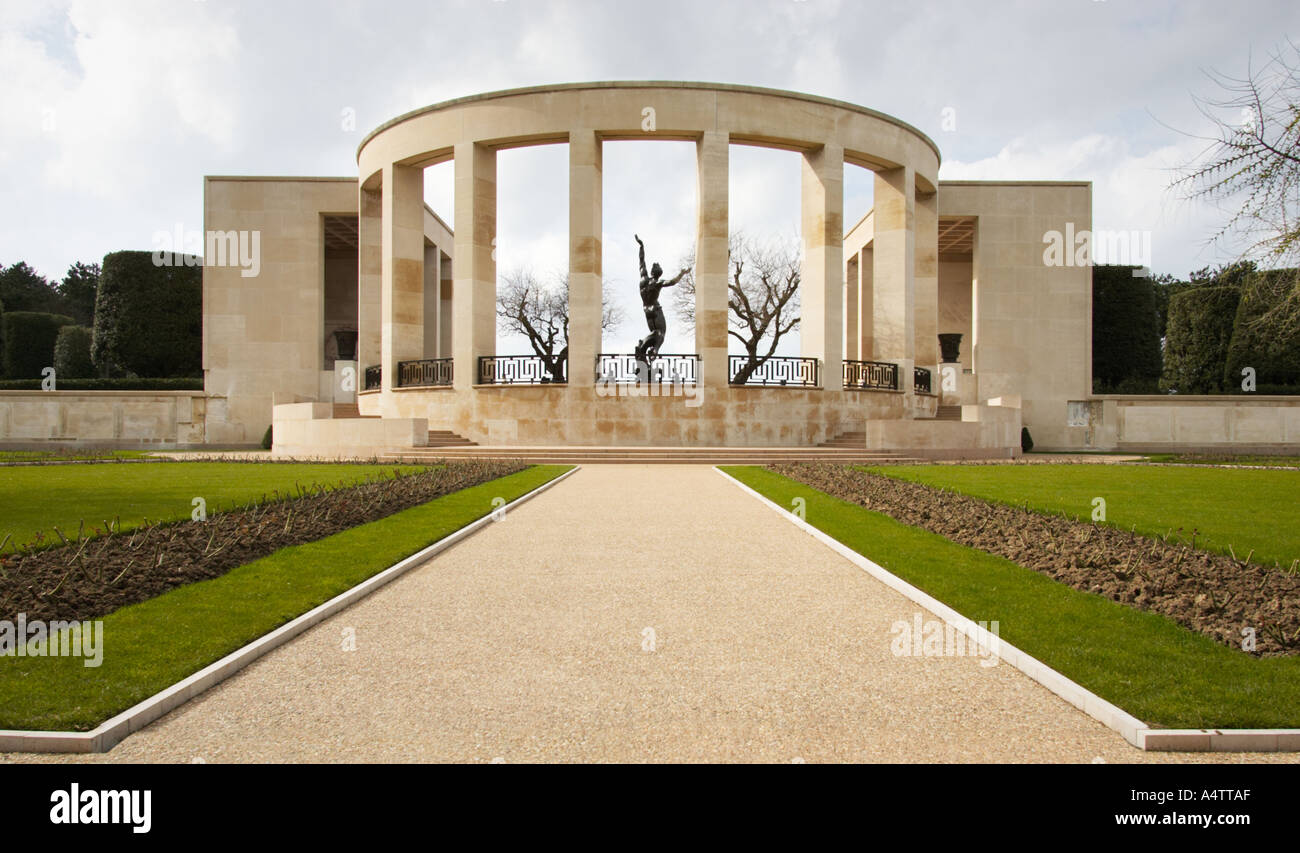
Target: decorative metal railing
x=374 y=378
x=424 y=372
x=870 y=375
x=665 y=368
x=520 y=370
x=775 y=370
x=921 y=379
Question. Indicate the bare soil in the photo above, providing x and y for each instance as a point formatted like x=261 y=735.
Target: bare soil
x=1210 y=593
x=93 y=576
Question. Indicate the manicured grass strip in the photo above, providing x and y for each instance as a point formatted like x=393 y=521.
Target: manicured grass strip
x=36 y=499
x=68 y=455
x=1245 y=509
x=1146 y=664
x=1194 y=459
x=152 y=645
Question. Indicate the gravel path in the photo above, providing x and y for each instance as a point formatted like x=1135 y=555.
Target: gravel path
x=529 y=642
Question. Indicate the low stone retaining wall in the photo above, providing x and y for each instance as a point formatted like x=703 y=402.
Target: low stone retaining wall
x=1153 y=423
x=107 y=419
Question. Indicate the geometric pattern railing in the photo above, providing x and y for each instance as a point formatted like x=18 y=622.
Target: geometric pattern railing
x=921 y=379
x=374 y=378
x=424 y=372
x=776 y=370
x=870 y=375
x=665 y=368
x=518 y=370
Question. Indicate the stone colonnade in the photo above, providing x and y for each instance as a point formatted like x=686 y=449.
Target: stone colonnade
x=897 y=291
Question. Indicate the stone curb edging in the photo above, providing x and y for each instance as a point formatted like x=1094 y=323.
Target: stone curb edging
x=112 y=731
x=1131 y=728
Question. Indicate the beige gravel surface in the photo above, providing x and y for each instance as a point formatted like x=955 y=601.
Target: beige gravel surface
x=531 y=641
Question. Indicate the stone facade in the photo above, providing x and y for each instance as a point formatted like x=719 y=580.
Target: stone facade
x=364 y=255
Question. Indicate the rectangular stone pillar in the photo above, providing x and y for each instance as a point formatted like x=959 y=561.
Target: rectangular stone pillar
x=474 y=264
x=852 y=337
x=432 y=300
x=975 y=300
x=893 y=279
x=927 y=280
x=866 y=258
x=585 y=222
x=370 y=253
x=445 y=313
x=402 y=281
x=821 y=280
x=711 y=258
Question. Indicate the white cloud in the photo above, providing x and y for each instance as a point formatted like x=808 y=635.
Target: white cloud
x=149 y=96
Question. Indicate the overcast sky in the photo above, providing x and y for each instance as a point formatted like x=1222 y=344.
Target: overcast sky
x=112 y=112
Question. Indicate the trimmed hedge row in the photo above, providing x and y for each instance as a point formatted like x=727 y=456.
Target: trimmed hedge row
x=1200 y=328
x=29 y=339
x=1125 y=331
x=72 y=354
x=149 y=316
x=182 y=383
x=1261 y=338
x=1196 y=346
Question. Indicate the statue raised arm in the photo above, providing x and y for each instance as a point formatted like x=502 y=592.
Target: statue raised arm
x=644 y=275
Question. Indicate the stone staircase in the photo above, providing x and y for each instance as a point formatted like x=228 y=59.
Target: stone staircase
x=855 y=439
x=574 y=455
x=447 y=438
x=945 y=413
x=349 y=410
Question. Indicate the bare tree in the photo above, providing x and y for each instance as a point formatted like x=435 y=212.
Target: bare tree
x=762 y=296
x=1250 y=167
x=539 y=311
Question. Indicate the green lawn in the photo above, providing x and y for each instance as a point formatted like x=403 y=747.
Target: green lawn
x=1146 y=664
x=36 y=499
x=67 y=455
x=1196 y=459
x=1245 y=509
x=153 y=644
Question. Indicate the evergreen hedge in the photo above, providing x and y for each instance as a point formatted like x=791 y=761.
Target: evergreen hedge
x=149 y=316
x=1197 y=338
x=1125 y=331
x=72 y=354
x=1261 y=339
x=29 y=338
x=184 y=383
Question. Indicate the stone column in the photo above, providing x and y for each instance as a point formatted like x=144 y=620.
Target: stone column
x=866 y=260
x=445 y=312
x=585 y=218
x=893 y=284
x=927 y=281
x=474 y=265
x=402 y=280
x=852 y=335
x=821 y=281
x=711 y=257
x=432 y=300
x=370 y=252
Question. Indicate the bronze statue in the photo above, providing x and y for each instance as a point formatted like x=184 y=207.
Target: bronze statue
x=651 y=283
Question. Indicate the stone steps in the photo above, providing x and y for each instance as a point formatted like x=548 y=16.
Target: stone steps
x=652 y=455
x=945 y=413
x=346 y=410
x=857 y=440
x=447 y=438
